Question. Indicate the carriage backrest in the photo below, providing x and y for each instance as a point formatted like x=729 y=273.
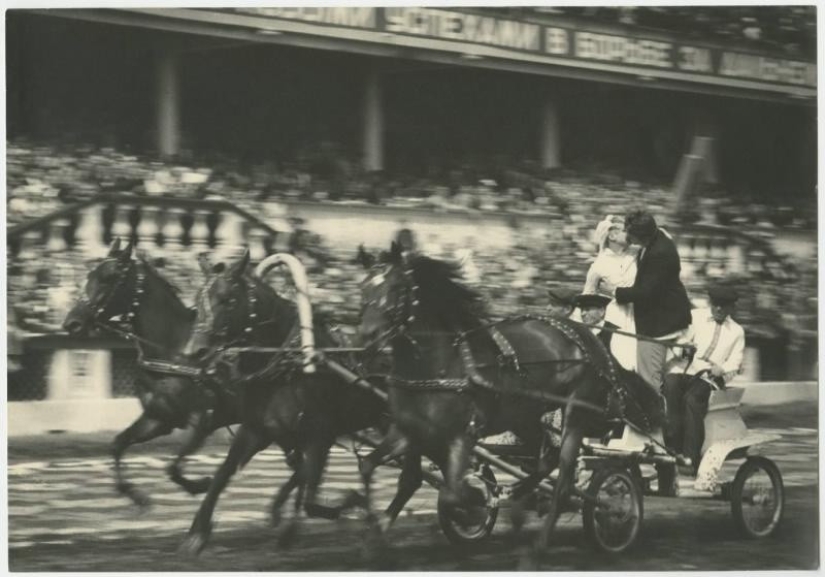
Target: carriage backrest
x=723 y=421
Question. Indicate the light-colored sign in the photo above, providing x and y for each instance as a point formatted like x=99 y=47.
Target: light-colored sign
x=622 y=52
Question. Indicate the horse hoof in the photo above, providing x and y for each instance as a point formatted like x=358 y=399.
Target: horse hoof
x=275 y=518
x=193 y=545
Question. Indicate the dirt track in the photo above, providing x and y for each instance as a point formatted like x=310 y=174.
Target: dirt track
x=64 y=515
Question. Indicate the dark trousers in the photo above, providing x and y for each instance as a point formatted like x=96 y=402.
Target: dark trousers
x=687 y=404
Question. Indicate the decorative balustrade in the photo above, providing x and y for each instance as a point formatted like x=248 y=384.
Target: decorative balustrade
x=160 y=225
x=171 y=226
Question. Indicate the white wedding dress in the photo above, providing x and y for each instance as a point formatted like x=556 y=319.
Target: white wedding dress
x=619 y=269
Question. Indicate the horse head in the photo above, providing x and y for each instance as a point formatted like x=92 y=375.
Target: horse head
x=108 y=291
x=221 y=305
x=387 y=296
x=233 y=307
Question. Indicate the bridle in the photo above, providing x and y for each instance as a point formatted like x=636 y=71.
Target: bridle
x=124 y=269
x=206 y=313
x=222 y=334
x=125 y=328
x=402 y=311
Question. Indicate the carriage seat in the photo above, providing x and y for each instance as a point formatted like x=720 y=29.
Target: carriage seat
x=723 y=421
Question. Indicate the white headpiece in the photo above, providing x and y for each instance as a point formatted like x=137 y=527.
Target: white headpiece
x=603 y=229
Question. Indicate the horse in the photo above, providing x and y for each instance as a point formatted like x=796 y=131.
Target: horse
x=302 y=413
x=457 y=377
x=159 y=324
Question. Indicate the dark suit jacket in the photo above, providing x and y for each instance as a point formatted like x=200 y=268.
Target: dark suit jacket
x=660 y=302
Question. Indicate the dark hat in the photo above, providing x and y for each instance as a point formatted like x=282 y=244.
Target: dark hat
x=562 y=296
x=723 y=295
x=592 y=300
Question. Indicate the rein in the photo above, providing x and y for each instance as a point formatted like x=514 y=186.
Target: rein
x=130 y=334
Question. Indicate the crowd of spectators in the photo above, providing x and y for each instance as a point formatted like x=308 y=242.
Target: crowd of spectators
x=42 y=178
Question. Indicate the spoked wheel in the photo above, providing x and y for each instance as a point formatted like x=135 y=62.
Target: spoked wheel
x=757 y=498
x=613 y=517
x=473 y=523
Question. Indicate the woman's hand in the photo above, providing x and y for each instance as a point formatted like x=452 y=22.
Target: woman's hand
x=607 y=288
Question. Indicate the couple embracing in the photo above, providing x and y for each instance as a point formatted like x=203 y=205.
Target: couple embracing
x=638 y=267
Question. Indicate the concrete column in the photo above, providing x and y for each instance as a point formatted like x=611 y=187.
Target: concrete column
x=373 y=123
x=168 y=104
x=550 y=135
x=705 y=142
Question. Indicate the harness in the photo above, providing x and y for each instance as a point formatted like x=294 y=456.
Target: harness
x=403 y=314
x=126 y=327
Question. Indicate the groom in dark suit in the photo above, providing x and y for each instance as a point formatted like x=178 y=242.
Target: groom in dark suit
x=660 y=301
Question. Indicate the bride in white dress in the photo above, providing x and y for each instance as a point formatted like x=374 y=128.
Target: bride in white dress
x=616 y=263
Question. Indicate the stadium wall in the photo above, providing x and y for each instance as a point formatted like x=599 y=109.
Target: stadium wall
x=96 y=415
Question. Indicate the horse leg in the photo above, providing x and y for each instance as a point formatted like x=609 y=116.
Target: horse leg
x=455 y=490
x=290 y=530
x=409 y=481
x=201 y=428
x=283 y=493
x=548 y=460
x=393 y=446
x=570 y=445
x=143 y=429
x=246 y=443
x=315 y=461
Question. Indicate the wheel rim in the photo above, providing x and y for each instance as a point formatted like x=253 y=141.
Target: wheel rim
x=760 y=502
x=470 y=521
x=617 y=512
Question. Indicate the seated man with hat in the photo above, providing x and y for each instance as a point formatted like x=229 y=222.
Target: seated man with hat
x=593 y=308
x=719 y=343
x=562 y=302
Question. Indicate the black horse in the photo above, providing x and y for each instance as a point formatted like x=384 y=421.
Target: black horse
x=159 y=324
x=457 y=377
x=302 y=413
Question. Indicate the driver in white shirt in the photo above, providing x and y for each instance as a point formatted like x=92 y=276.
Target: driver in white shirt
x=720 y=348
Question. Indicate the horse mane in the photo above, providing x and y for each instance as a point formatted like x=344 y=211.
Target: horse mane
x=160 y=278
x=441 y=291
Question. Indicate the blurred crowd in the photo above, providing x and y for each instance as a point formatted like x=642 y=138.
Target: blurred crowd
x=42 y=178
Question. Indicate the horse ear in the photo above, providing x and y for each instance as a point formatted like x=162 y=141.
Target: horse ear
x=127 y=252
x=364 y=258
x=242 y=264
x=114 y=247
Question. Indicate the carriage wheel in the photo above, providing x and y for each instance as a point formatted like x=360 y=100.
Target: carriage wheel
x=613 y=517
x=757 y=498
x=464 y=525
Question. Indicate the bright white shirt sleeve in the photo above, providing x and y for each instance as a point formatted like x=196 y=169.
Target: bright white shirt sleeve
x=591 y=283
x=733 y=364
